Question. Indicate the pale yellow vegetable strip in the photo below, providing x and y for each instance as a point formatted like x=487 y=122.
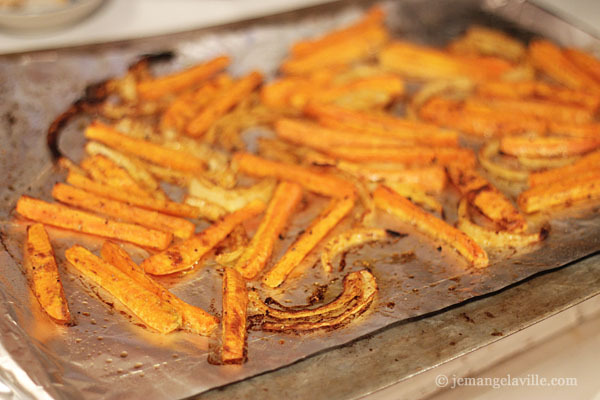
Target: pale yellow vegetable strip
x=184 y=255
x=42 y=274
x=434 y=227
x=337 y=210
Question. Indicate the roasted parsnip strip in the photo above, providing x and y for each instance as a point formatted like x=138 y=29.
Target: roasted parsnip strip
x=413 y=155
x=318 y=229
x=232 y=199
x=346 y=240
x=158 y=87
x=566 y=191
x=585 y=164
x=359 y=291
x=133 y=166
x=409 y=131
x=80 y=221
x=194 y=319
x=282 y=205
x=73 y=196
x=184 y=255
x=302 y=48
x=549 y=58
x=163 y=206
x=539 y=163
x=155 y=153
x=235 y=304
x=222 y=103
x=434 y=227
x=493 y=237
x=547 y=146
x=430 y=179
x=584 y=61
x=104 y=170
x=208 y=210
x=488 y=199
x=343 y=53
x=147 y=306
x=312 y=135
x=42 y=273
x=314 y=181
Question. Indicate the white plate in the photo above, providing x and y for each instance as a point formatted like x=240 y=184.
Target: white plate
x=48 y=18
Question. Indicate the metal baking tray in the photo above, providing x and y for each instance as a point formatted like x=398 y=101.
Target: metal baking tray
x=104 y=355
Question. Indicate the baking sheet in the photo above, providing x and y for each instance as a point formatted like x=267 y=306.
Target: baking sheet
x=104 y=355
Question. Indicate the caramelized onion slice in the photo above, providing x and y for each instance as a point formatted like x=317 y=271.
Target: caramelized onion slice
x=346 y=240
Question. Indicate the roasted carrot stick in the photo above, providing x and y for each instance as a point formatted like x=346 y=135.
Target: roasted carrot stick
x=546 y=110
x=549 y=58
x=309 y=134
x=591 y=130
x=80 y=221
x=104 y=170
x=547 y=146
x=302 y=48
x=318 y=229
x=411 y=132
x=235 y=303
x=436 y=228
x=343 y=53
x=155 y=153
x=222 y=103
x=584 y=61
x=194 y=319
x=314 y=181
x=566 y=191
x=184 y=255
x=72 y=196
x=163 y=206
x=417 y=155
x=481 y=121
x=158 y=87
x=42 y=274
x=282 y=205
x=144 y=304
x=587 y=163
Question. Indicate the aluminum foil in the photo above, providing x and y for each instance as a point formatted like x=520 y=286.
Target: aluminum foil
x=106 y=355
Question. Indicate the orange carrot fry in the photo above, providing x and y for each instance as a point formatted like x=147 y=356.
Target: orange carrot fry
x=163 y=206
x=235 y=303
x=587 y=163
x=194 y=319
x=373 y=17
x=436 y=228
x=550 y=59
x=319 y=228
x=144 y=304
x=324 y=184
x=104 y=170
x=312 y=135
x=155 y=153
x=343 y=53
x=158 y=87
x=282 y=205
x=80 y=221
x=185 y=255
x=223 y=103
x=547 y=110
x=584 y=61
x=591 y=130
x=481 y=121
x=411 y=132
x=547 y=146
x=72 y=196
x=563 y=192
x=42 y=274
x=418 y=155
